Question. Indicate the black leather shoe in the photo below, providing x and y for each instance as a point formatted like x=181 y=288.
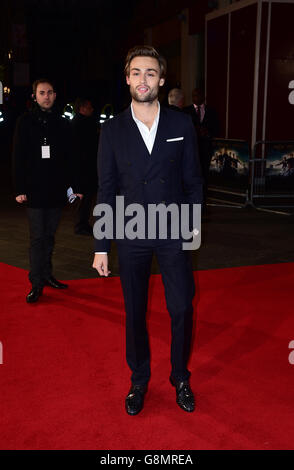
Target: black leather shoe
x=52 y=282
x=34 y=295
x=185 y=397
x=135 y=399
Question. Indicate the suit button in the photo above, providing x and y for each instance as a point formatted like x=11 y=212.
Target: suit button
x=171 y=161
x=162 y=202
x=162 y=180
x=144 y=182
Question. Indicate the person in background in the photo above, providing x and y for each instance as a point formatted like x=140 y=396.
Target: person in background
x=176 y=99
x=85 y=143
x=43 y=170
x=206 y=124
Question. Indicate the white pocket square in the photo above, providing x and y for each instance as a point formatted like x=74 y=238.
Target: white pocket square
x=174 y=139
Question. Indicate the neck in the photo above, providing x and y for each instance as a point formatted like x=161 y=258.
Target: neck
x=145 y=111
x=45 y=110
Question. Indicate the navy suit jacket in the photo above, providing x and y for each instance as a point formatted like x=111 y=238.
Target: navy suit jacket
x=210 y=120
x=170 y=174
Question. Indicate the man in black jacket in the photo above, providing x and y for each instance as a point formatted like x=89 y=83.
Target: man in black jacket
x=206 y=124
x=42 y=174
x=85 y=135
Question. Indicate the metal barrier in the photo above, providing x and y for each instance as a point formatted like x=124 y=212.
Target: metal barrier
x=218 y=201
x=229 y=173
x=272 y=174
x=267 y=181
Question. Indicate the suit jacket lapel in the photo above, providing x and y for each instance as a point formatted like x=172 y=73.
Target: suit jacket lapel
x=135 y=145
x=159 y=140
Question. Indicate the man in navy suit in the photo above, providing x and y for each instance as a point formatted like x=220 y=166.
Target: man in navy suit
x=148 y=154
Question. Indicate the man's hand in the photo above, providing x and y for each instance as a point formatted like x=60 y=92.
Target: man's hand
x=79 y=195
x=101 y=264
x=21 y=198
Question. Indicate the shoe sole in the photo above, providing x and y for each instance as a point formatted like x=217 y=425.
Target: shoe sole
x=133 y=414
x=184 y=409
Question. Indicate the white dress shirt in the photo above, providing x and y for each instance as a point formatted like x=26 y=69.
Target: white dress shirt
x=148 y=135
x=200 y=108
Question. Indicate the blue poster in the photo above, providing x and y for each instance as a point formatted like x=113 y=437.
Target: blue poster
x=280 y=168
x=229 y=164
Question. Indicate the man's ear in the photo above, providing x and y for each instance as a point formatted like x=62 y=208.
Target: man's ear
x=127 y=79
x=161 y=82
x=34 y=96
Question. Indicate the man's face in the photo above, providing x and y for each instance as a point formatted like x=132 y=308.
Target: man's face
x=197 y=97
x=45 y=96
x=87 y=109
x=171 y=97
x=144 y=79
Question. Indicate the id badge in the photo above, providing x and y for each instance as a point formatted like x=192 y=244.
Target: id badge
x=45 y=151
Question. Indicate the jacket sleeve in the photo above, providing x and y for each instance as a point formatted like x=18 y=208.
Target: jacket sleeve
x=108 y=182
x=72 y=156
x=19 y=157
x=78 y=152
x=191 y=169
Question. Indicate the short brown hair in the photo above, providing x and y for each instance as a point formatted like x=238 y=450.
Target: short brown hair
x=145 y=51
x=41 y=80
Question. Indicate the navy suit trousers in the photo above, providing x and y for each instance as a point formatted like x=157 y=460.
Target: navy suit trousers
x=177 y=276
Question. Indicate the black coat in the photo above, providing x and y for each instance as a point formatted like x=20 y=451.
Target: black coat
x=206 y=130
x=85 y=135
x=44 y=180
x=210 y=121
x=175 y=108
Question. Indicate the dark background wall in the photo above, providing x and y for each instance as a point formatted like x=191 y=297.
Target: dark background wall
x=260 y=53
x=81 y=44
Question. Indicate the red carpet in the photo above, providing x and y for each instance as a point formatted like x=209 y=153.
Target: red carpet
x=63 y=379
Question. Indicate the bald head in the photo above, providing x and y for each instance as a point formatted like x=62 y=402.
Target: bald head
x=176 y=97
